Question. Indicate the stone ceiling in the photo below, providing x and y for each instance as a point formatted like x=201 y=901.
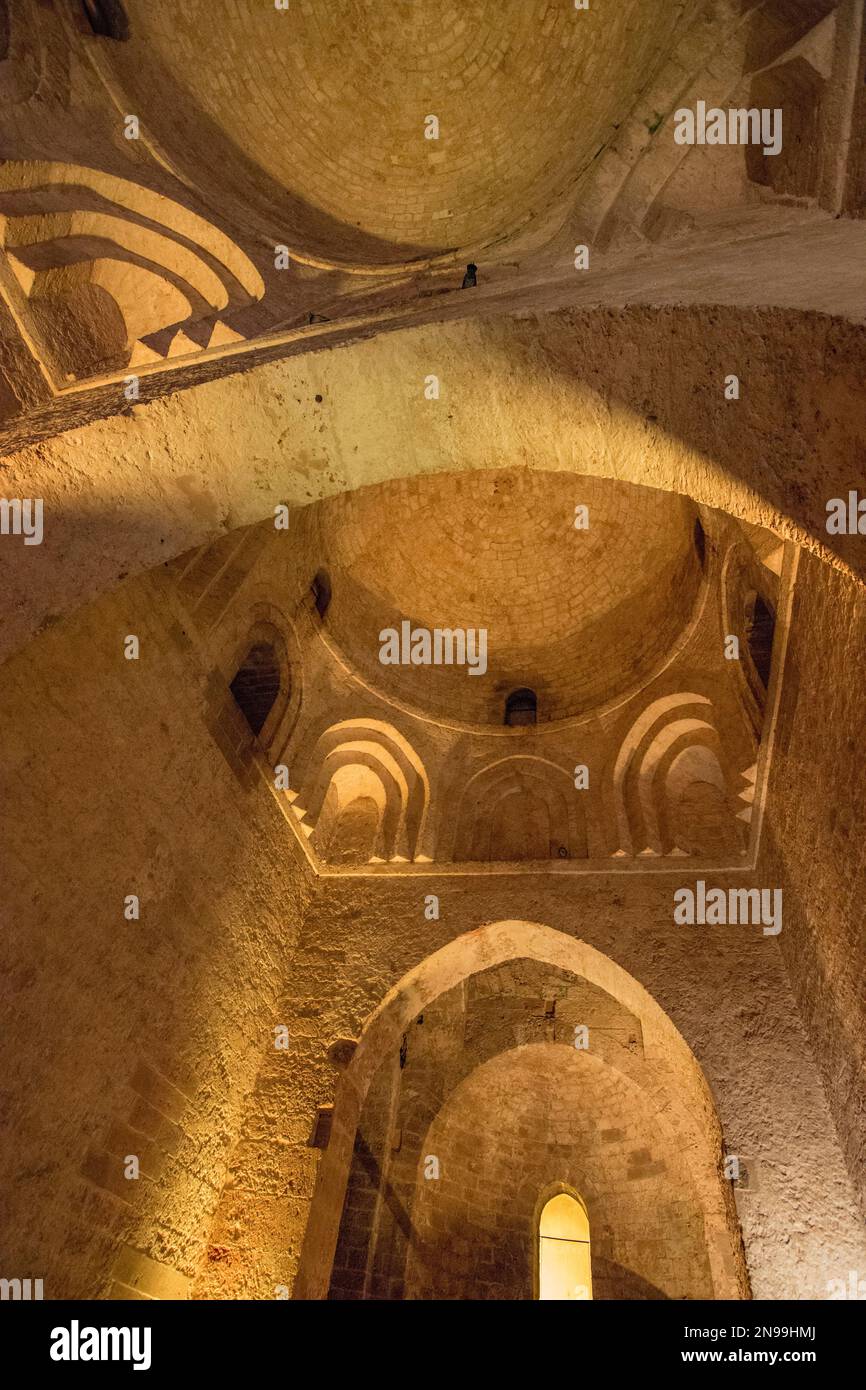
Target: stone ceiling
x=579 y=616
x=318 y=113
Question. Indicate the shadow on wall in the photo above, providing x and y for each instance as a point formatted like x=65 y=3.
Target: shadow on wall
x=612 y=1280
x=255 y=199
x=642 y=420
x=740 y=438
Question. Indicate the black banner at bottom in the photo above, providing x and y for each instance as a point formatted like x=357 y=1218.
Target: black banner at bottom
x=152 y=1338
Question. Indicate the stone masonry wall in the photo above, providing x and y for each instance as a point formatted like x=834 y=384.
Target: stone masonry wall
x=121 y=1036
x=724 y=988
x=488 y=1083
x=816 y=847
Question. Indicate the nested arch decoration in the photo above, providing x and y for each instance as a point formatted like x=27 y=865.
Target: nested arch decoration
x=519 y=807
x=671 y=749
x=109 y=273
x=362 y=761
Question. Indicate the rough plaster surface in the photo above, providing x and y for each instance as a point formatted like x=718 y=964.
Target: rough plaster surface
x=815 y=847
x=577 y=392
x=166 y=1024
x=124 y=1036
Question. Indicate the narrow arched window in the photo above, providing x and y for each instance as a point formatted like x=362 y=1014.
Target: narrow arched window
x=257 y=684
x=700 y=540
x=564 y=1268
x=108 y=18
x=760 y=631
x=521 y=707
x=321 y=589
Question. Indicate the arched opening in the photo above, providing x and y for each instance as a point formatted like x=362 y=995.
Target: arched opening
x=521 y=707
x=700 y=819
x=257 y=684
x=700 y=540
x=539 y=1081
x=108 y=18
x=616 y=384
x=564 y=1263
x=321 y=590
x=760 y=631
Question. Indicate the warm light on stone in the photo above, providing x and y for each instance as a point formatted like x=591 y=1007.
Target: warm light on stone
x=432 y=564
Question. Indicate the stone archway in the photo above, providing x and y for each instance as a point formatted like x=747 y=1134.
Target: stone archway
x=681 y=1088
x=528 y=1118
x=582 y=392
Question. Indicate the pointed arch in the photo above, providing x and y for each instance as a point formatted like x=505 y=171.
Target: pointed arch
x=554 y=818
x=77 y=238
x=399 y=773
x=678 y=1083
x=640 y=795
x=564 y=1257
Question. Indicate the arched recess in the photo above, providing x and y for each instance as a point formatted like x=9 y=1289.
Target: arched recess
x=642 y=784
x=354 y=825
x=697 y=811
x=384 y=768
x=359 y=769
x=81 y=242
x=681 y=1089
x=496 y=1056
x=530 y=1116
x=796 y=87
x=254 y=641
x=519 y=808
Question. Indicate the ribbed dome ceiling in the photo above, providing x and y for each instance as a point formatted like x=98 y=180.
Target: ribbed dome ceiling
x=314 y=117
x=578 y=616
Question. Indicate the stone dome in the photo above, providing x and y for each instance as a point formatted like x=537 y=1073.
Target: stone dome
x=315 y=116
x=578 y=616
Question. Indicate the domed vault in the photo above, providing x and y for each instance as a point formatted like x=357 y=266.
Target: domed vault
x=578 y=606
x=319 y=113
